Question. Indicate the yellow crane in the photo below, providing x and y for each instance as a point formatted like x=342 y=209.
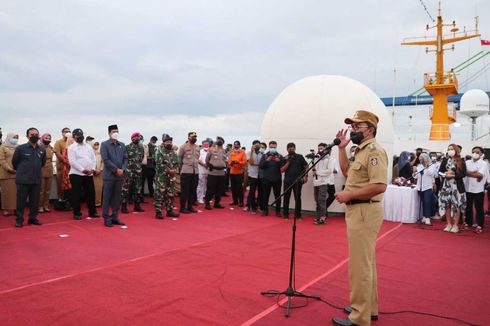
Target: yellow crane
x=441 y=84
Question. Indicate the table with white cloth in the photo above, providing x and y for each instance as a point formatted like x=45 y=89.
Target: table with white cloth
x=401 y=204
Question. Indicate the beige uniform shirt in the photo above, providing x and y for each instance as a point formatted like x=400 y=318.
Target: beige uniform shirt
x=59 y=147
x=188 y=158
x=369 y=166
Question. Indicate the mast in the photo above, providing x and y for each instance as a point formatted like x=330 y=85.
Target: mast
x=441 y=84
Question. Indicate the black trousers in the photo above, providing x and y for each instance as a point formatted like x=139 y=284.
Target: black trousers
x=148 y=176
x=331 y=196
x=111 y=197
x=296 y=189
x=81 y=183
x=253 y=198
x=188 y=188
x=214 y=188
x=476 y=199
x=267 y=185
x=237 y=188
x=24 y=192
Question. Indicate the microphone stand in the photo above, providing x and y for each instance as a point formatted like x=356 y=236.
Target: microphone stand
x=290 y=292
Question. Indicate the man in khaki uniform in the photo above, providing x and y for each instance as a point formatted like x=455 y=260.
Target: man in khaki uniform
x=366 y=182
x=59 y=147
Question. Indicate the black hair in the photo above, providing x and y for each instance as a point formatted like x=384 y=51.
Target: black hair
x=31 y=128
x=255 y=142
x=272 y=142
x=479 y=147
x=153 y=138
x=322 y=144
x=262 y=143
x=291 y=145
x=64 y=129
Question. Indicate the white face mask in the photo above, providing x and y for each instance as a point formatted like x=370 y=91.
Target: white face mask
x=451 y=152
x=115 y=135
x=475 y=156
x=67 y=134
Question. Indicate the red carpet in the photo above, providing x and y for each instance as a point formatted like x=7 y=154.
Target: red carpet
x=209 y=269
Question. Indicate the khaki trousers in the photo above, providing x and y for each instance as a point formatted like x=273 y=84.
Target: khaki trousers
x=98 y=189
x=59 y=182
x=45 y=190
x=363 y=224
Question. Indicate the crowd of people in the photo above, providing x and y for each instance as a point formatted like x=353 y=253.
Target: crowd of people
x=450 y=185
x=113 y=176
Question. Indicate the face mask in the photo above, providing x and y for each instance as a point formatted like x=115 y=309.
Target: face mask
x=136 y=141
x=80 y=139
x=67 y=134
x=356 y=137
x=34 y=139
x=475 y=156
x=14 y=141
x=451 y=152
x=115 y=135
x=261 y=150
x=193 y=140
x=169 y=146
x=205 y=146
x=219 y=143
x=272 y=150
x=46 y=142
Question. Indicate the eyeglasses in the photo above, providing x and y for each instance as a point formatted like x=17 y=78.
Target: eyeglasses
x=356 y=126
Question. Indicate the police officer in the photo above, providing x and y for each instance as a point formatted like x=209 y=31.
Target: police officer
x=28 y=161
x=189 y=173
x=166 y=168
x=366 y=182
x=133 y=175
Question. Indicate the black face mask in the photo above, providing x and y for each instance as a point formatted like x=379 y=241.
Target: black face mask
x=356 y=137
x=193 y=140
x=136 y=141
x=34 y=139
x=219 y=143
x=79 y=139
x=169 y=146
x=46 y=142
x=291 y=153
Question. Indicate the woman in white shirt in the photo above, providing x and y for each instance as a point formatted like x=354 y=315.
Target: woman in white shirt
x=425 y=173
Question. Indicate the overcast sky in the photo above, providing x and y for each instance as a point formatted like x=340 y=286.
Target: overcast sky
x=212 y=66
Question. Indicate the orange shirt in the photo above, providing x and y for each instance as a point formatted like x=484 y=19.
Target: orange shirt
x=240 y=157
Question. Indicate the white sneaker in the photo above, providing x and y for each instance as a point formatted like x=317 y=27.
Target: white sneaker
x=427 y=221
x=200 y=201
x=455 y=229
x=448 y=228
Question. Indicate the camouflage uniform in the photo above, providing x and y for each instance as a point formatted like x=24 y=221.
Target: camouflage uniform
x=164 y=160
x=132 y=180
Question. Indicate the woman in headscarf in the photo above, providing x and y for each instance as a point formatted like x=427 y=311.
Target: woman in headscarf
x=99 y=166
x=425 y=178
x=452 y=196
x=404 y=166
x=46 y=173
x=7 y=174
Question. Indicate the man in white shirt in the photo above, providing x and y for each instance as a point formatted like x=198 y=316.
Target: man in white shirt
x=322 y=181
x=476 y=172
x=81 y=158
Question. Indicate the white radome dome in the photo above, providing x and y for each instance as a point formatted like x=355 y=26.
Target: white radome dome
x=474 y=103
x=313 y=109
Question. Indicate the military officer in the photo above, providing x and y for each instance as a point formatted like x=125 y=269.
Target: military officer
x=366 y=182
x=166 y=167
x=132 y=181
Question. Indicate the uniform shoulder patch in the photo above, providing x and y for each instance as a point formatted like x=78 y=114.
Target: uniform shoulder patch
x=374 y=161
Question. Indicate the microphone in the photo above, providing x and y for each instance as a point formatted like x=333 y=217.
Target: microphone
x=335 y=142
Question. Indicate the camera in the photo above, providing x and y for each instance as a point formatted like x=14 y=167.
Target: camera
x=312 y=155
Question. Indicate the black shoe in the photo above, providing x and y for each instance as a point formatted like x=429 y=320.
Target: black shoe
x=240 y=205
x=286 y=216
x=208 y=207
x=320 y=222
x=159 y=215
x=185 y=211
x=192 y=210
x=19 y=224
x=348 y=310
x=278 y=214
x=95 y=215
x=343 y=322
x=265 y=213
x=35 y=222
x=77 y=217
x=117 y=221
x=108 y=223
x=138 y=208
x=124 y=208
x=172 y=214
x=219 y=206
x=234 y=204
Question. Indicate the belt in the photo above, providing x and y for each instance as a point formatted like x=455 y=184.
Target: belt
x=361 y=201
